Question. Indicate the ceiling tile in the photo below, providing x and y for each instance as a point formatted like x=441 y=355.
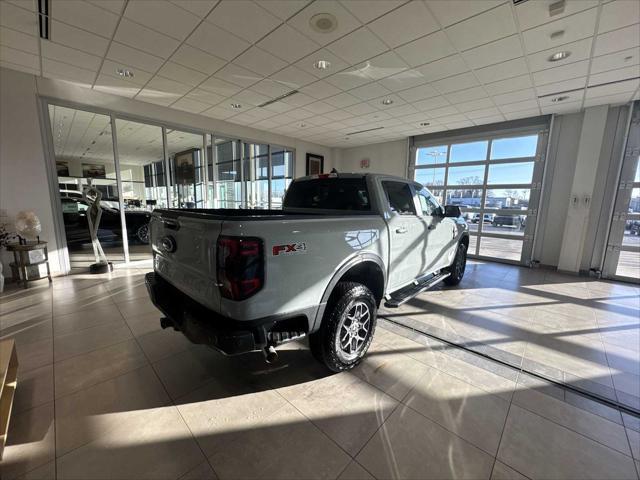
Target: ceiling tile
x=402 y=110
x=345 y=21
x=483 y=28
x=293 y=77
x=360 y=109
x=320 y=89
x=488 y=120
x=216 y=41
x=494 y=52
x=19 y=40
x=349 y=78
x=608 y=100
x=200 y=8
x=532 y=14
x=418 y=93
x=368 y=10
x=382 y=66
x=562 y=87
x=86 y=16
x=426 y=49
x=467 y=95
x=343 y=100
x=140 y=77
x=403 y=80
x=197 y=59
x=514 y=97
x=270 y=87
x=283 y=9
x=319 y=107
x=618 y=14
x=18 y=19
x=219 y=113
x=288 y=44
x=395 y=99
x=162 y=16
x=130 y=56
x=337 y=64
x=369 y=91
x=79 y=39
x=449 y=12
x=69 y=55
x=429 y=104
x=174 y=71
x=502 y=71
x=260 y=61
x=357 y=46
x=404 y=24
x=443 y=111
x=515 y=107
x=19 y=57
x=298 y=100
x=64 y=71
x=244 y=18
x=616 y=60
x=249 y=97
x=558 y=74
x=457 y=124
x=575 y=27
x=116 y=86
x=238 y=75
x=338 y=115
x=458 y=82
x=473 y=105
x=627 y=37
x=522 y=114
x=145 y=39
x=573 y=104
x=509 y=85
x=613 y=89
x=189 y=105
x=220 y=87
x=445 y=67
x=580 y=50
x=202 y=96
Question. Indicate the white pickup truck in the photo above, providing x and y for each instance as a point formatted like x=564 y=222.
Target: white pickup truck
x=246 y=280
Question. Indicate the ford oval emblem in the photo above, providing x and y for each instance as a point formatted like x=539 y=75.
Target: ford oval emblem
x=168 y=244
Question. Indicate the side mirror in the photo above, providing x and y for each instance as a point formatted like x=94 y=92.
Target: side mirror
x=452 y=211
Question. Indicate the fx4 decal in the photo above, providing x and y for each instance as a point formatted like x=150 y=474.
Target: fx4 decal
x=289 y=249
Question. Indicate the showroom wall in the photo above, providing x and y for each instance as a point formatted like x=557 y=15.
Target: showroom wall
x=388 y=157
x=23 y=178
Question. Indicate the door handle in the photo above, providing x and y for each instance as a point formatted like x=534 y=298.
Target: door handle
x=401 y=230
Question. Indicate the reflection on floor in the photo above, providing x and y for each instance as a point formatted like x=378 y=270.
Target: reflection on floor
x=103 y=392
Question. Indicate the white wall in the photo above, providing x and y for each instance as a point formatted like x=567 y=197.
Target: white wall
x=389 y=158
x=23 y=178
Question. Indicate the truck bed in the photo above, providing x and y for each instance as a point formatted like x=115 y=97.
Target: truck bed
x=248 y=214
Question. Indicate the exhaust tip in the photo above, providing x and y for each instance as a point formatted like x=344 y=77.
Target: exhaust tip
x=270 y=355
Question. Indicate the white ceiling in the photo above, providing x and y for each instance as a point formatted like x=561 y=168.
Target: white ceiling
x=451 y=63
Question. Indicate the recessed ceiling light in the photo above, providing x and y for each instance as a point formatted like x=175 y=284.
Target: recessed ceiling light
x=425 y=124
x=559 y=56
x=124 y=72
x=236 y=106
x=387 y=101
x=323 y=22
x=322 y=64
x=302 y=125
x=561 y=98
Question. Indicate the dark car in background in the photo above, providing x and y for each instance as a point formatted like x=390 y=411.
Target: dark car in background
x=517 y=221
x=74 y=213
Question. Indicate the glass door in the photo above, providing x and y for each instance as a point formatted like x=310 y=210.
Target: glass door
x=255 y=171
x=228 y=180
x=622 y=259
x=83 y=148
x=185 y=152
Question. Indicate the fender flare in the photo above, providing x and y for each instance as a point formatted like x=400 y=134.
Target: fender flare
x=357 y=259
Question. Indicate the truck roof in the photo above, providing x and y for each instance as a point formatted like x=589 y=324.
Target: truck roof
x=358 y=175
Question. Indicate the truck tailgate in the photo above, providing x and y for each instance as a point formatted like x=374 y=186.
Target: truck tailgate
x=185 y=254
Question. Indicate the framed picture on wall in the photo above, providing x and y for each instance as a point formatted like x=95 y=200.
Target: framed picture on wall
x=93 y=170
x=63 y=169
x=315 y=164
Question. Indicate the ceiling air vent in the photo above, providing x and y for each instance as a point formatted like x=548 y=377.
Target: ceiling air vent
x=518 y=2
x=44 y=22
x=277 y=99
x=367 y=130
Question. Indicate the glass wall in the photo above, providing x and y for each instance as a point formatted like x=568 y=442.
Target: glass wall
x=83 y=149
x=493 y=180
x=159 y=167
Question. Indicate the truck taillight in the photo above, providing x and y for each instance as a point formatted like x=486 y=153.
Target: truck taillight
x=240 y=266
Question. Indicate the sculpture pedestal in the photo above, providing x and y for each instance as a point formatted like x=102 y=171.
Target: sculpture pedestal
x=101 y=267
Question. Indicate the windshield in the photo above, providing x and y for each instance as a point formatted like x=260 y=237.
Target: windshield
x=329 y=194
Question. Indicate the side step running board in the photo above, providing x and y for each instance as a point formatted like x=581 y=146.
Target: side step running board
x=407 y=293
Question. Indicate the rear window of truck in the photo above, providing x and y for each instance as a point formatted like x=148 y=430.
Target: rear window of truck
x=329 y=194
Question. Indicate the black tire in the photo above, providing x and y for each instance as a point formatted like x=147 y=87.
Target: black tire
x=345 y=299
x=142 y=233
x=457 y=267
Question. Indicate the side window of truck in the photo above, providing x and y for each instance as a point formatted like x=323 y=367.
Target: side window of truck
x=427 y=203
x=400 y=197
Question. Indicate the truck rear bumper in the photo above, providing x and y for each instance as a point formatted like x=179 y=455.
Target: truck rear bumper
x=204 y=326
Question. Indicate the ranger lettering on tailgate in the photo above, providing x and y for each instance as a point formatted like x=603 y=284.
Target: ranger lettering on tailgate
x=290 y=249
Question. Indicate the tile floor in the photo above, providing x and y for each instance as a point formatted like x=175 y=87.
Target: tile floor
x=103 y=392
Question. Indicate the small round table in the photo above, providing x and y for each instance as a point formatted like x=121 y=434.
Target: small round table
x=22 y=261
